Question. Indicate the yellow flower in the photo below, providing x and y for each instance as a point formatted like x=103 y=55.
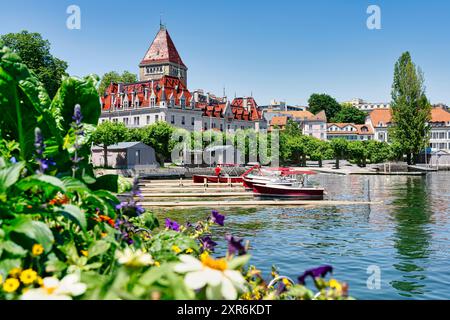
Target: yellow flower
x=15 y=272
x=217 y=264
x=39 y=281
x=28 y=276
x=84 y=253
x=204 y=255
x=37 y=250
x=157 y=264
x=335 y=285
x=176 y=249
x=189 y=250
x=286 y=282
x=11 y=285
x=103 y=234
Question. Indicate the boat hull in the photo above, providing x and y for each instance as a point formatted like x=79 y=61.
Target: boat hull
x=249 y=182
x=199 y=178
x=277 y=191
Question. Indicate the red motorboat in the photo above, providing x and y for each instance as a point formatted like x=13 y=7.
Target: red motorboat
x=230 y=175
x=200 y=178
x=292 y=192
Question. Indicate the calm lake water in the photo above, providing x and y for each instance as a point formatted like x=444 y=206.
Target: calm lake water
x=407 y=236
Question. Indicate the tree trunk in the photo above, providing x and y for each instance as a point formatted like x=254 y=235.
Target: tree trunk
x=105 y=156
x=337 y=163
x=408 y=158
x=364 y=162
x=320 y=163
x=304 y=160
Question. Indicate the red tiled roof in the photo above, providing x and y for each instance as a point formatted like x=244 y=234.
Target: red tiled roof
x=380 y=117
x=439 y=114
x=306 y=115
x=172 y=87
x=279 y=121
x=162 y=49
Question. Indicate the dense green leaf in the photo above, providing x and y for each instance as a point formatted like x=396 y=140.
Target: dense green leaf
x=98 y=248
x=13 y=248
x=35 y=230
x=74 y=213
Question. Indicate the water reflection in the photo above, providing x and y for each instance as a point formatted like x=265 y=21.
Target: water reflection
x=412 y=236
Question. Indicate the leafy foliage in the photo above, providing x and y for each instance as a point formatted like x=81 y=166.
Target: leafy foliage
x=411 y=110
x=349 y=114
x=35 y=53
x=318 y=102
x=113 y=76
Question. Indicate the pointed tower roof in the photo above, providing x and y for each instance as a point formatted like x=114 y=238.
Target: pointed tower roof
x=162 y=49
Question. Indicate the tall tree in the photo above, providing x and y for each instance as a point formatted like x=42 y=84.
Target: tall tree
x=411 y=110
x=159 y=136
x=350 y=114
x=113 y=76
x=35 y=53
x=108 y=133
x=318 y=102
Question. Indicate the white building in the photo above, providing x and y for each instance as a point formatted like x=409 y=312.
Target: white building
x=368 y=106
x=380 y=120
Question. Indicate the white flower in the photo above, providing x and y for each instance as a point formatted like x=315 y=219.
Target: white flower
x=54 y=289
x=222 y=283
x=132 y=258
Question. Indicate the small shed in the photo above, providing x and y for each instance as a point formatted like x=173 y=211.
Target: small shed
x=223 y=154
x=125 y=155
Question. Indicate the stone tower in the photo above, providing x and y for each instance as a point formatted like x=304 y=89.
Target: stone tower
x=162 y=59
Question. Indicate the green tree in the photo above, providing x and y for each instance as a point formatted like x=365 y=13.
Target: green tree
x=318 y=102
x=357 y=151
x=411 y=110
x=159 y=136
x=109 y=133
x=340 y=149
x=319 y=150
x=113 y=76
x=292 y=128
x=350 y=114
x=35 y=53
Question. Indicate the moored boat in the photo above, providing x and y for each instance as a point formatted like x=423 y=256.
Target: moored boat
x=292 y=192
x=200 y=178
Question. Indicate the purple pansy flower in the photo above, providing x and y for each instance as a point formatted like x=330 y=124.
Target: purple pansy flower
x=172 y=225
x=321 y=272
x=207 y=243
x=235 y=246
x=216 y=217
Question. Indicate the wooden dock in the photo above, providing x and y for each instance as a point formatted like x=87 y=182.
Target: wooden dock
x=196 y=194
x=251 y=203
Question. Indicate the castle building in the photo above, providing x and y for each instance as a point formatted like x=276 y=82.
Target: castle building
x=161 y=94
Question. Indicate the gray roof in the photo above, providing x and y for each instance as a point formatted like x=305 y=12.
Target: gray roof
x=121 y=146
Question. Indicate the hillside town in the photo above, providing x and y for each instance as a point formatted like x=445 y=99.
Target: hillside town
x=162 y=94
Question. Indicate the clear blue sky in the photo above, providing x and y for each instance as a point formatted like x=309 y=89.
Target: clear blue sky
x=275 y=49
